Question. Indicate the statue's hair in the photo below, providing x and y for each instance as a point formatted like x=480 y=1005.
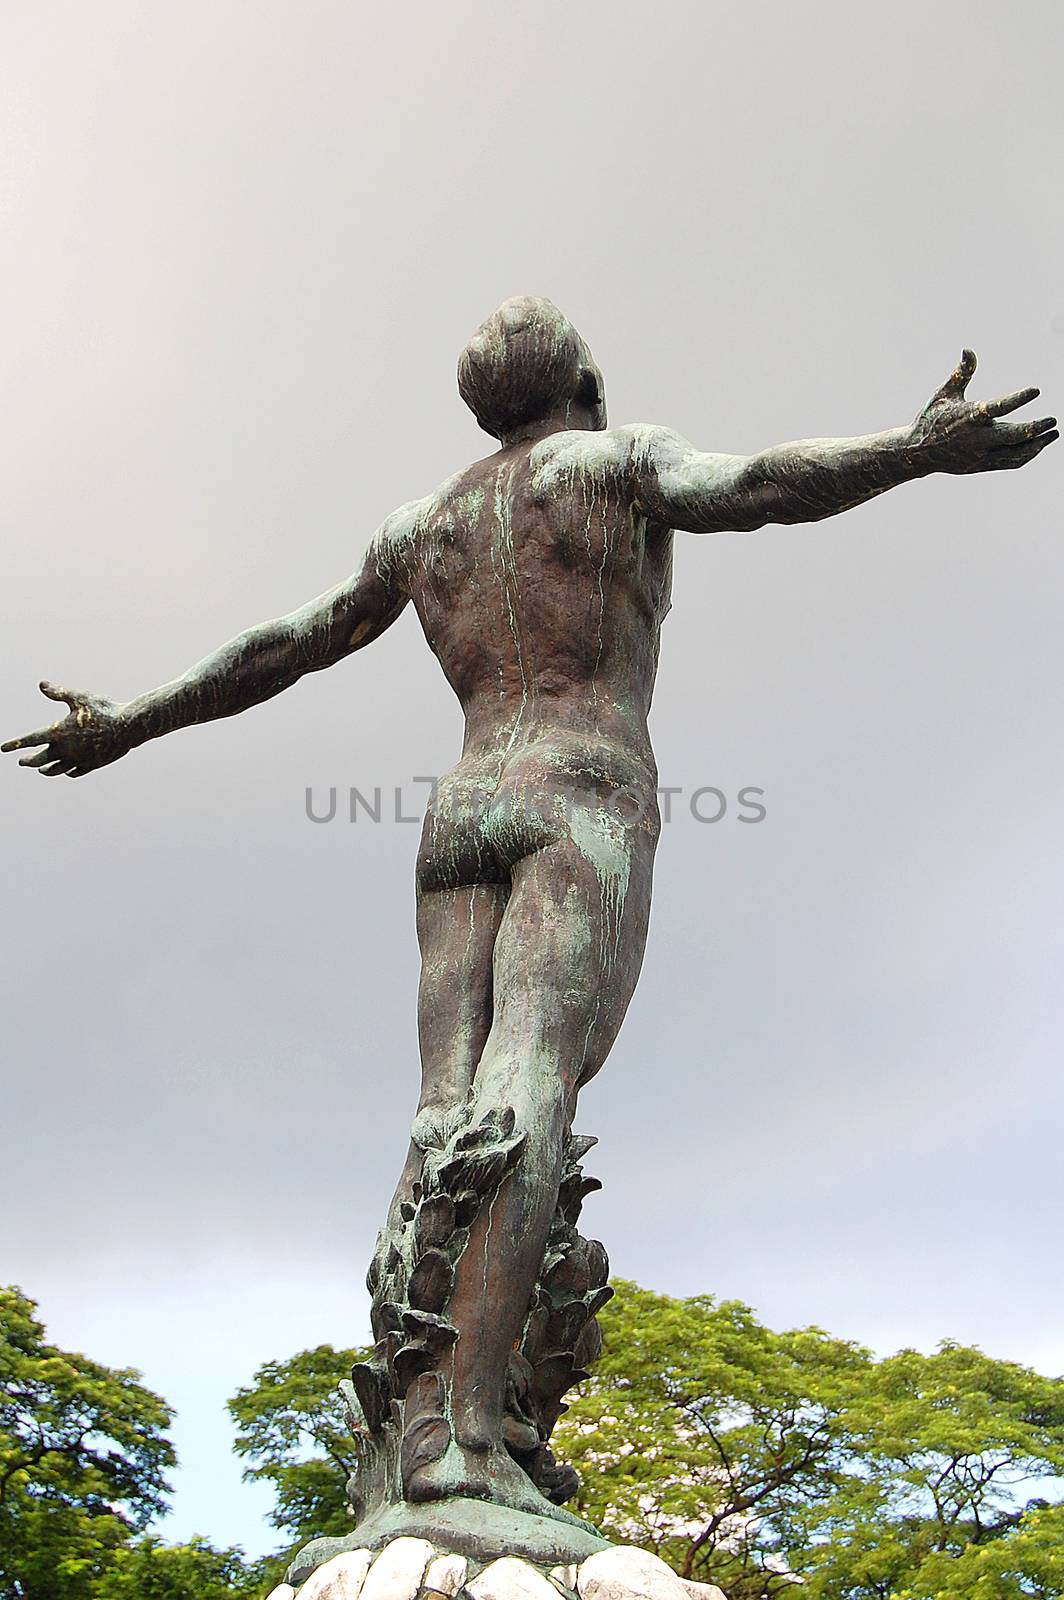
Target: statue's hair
x=525 y=362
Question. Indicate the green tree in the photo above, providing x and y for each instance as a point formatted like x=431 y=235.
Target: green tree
x=754 y=1459
x=707 y=1438
x=83 y=1454
x=750 y=1459
x=148 y=1569
x=948 y=1445
x=291 y=1429
x=1027 y=1561
x=649 y=1465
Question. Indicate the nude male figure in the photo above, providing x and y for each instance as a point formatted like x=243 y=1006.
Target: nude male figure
x=541 y=576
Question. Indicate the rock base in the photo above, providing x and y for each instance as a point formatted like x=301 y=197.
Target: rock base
x=477 y=1529
x=413 y=1569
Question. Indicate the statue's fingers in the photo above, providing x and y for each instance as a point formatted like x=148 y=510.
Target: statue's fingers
x=1009 y=402
x=964 y=371
x=1013 y=433
x=42 y=736
x=55 y=691
x=56 y=770
x=42 y=758
x=1023 y=453
x=959 y=378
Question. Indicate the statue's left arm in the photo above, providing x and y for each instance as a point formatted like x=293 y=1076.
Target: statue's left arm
x=682 y=487
x=251 y=668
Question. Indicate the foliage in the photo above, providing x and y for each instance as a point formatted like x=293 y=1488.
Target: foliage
x=754 y=1459
x=83 y=1454
x=948 y=1443
x=82 y=1460
x=291 y=1429
x=1029 y=1561
x=708 y=1439
x=750 y=1459
x=147 y=1569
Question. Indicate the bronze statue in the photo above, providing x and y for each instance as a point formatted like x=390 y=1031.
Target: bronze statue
x=541 y=576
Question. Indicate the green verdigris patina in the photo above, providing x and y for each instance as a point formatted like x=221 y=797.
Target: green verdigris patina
x=541 y=576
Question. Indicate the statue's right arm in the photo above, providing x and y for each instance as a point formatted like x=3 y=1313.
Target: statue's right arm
x=678 y=486
x=251 y=668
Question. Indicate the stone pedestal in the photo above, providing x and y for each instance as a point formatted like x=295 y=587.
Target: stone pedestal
x=414 y=1569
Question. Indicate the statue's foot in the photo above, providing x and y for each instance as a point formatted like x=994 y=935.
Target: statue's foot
x=435 y=1464
x=490 y=1474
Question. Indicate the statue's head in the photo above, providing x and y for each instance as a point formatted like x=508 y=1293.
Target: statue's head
x=526 y=364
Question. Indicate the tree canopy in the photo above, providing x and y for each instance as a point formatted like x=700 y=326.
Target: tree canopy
x=83 y=1461
x=292 y=1432
x=751 y=1459
x=754 y=1459
x=83 y=1457
x=148 y=1569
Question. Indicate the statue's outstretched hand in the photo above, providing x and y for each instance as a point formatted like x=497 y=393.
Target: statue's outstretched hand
x=959 y=435
x=93 y=734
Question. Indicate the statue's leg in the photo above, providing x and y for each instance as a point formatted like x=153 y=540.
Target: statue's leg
x=461 y=896
x=566 y=959
x=456 y=929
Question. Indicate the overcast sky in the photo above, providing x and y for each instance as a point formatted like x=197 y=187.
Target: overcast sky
x=241 y=247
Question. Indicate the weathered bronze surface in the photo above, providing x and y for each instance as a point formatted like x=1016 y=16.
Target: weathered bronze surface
x=541 y=576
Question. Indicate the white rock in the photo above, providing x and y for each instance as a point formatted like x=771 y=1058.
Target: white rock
x=627 y=1573
x=445 y=1574
x=396 y=1573
x=511 y=1579
x=339 y=1579
x=406 y=1565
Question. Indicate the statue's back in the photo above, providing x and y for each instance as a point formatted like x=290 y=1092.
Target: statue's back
x=539 y=584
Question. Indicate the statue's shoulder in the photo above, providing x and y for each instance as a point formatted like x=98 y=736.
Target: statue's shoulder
x=577 y=453
x=396 y=537
x=397 y=542
x=599 y=458
x=400 y=525
x=649 y=441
